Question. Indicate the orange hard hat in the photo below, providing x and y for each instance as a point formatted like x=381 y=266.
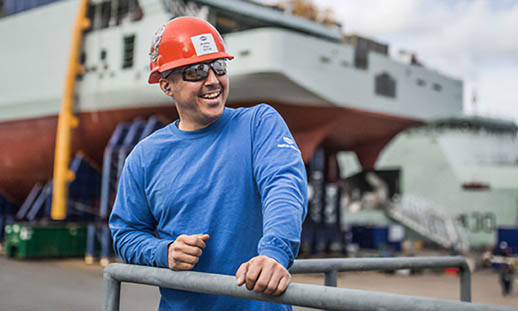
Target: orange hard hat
x=184 y=41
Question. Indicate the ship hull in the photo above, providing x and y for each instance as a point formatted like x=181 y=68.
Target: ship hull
x=28 y=153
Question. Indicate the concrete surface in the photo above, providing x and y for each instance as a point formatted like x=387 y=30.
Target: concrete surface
x=70 y=284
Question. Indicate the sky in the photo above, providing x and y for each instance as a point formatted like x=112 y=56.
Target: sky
x=472 y=40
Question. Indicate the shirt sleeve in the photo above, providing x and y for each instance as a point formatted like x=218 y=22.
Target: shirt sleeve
x=281 y=179
x=131 y=222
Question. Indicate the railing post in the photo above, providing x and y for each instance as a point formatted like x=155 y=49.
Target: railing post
x=330 y=278
x=465 y=283
x=111 y=293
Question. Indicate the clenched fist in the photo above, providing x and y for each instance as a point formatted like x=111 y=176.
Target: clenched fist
x=185 y=251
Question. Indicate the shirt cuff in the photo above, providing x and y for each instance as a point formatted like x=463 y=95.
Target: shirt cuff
x=277 y=254
x=162 y=254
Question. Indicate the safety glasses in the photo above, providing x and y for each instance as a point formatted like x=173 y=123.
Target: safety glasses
x=200 y=71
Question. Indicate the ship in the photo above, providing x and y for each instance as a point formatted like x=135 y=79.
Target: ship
x=468 y=166
x=339 y=91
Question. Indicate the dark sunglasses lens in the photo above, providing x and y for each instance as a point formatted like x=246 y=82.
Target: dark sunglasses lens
x=219 y=66
x=196 y=72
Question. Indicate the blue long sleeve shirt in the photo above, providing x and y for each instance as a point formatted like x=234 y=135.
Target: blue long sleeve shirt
x=241 y=180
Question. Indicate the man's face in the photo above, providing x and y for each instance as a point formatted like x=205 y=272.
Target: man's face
x=199 y=103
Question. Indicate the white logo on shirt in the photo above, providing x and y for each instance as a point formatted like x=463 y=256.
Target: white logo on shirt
x=288 y=140
x=290 y=143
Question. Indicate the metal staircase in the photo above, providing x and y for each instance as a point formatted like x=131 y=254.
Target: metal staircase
x=429 y=220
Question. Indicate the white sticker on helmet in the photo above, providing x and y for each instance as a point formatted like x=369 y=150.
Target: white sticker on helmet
x=153 y=53
x=204 y=44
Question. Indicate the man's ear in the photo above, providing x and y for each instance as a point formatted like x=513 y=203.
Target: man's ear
x=166 y=86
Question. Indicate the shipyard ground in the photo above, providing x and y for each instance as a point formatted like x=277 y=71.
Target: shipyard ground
x=70 y=284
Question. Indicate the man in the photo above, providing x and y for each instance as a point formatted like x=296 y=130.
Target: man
x=220 y=190
x=506 y=273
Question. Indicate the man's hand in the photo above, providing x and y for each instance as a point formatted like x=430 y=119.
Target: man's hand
x=184 y=253
x=263 y=274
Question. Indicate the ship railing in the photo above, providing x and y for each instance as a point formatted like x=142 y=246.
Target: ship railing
x=297 y=294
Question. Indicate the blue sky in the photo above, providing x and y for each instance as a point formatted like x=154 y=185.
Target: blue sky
x=472 y=40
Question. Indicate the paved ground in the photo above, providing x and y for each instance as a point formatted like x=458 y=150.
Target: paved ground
x=73 y=285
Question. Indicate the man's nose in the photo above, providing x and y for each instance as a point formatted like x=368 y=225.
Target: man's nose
x=212 y=78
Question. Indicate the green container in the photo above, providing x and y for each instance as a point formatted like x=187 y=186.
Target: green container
x=23 y=240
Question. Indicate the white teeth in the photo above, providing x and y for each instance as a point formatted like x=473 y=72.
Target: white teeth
x=211 y=95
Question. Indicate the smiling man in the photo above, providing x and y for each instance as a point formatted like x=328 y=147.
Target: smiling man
x=219 y=190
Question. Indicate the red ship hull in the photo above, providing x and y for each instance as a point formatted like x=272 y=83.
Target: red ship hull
x=27 y=152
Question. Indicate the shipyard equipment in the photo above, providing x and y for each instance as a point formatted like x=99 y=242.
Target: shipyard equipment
x=122 y=141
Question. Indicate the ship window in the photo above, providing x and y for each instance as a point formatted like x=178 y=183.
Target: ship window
x=121 y=11
x=128 y=49
x=106 y=10
x=136 y=12
x=421 y=82
x=222 y=21
x=244 y=53
x=82 y=58
x=437 y=87
x=361 y=58
x=82 y=61
x=325 y=59
x=226 y=22
x=127 y=10
x=385 y=85
x=90 y=14
x=104 y=14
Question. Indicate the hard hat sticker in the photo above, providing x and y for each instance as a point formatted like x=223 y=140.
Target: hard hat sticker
x=204 y=44
x=153 y=53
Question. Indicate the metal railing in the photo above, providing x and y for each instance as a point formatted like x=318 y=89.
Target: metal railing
x=331 y=267
x=305 y=295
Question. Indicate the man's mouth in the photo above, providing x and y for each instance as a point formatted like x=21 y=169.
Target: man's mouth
x=211 y=95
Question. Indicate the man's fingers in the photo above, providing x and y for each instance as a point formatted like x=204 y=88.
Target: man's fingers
x=191 y=250
x=197 y=240
x=273 y=283
x=261 y=284
x=254 y=270
x=204 y=237
x=283 y=284
x=186 y=258
x=179 y=265
x=179 y=247
x=263 y=275
x=241 y=274
x=185 y=251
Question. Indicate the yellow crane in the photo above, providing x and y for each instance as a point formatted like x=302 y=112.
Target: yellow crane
x=67 y=120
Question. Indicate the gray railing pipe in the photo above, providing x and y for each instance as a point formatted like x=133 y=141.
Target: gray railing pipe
x=313 y=296
x=366 y=264
x=332 y=265
x=111 y=291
